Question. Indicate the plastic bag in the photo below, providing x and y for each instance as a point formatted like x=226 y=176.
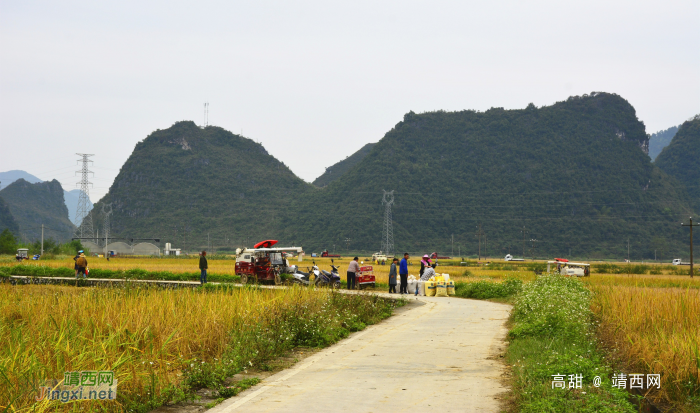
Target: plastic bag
x=412 y=286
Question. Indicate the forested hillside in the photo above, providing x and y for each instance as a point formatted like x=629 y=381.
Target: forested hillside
x=659 y=140
x=7 y=221
x=185 y=184
x=339 y=169
x=35 y=204
x=681 y=159
x=575 y=176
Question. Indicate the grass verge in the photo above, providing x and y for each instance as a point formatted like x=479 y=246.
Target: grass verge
x=553 y=334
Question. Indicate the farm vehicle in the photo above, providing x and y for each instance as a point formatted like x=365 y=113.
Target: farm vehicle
x=326 y=254
x=572 y=269
x=263 y=263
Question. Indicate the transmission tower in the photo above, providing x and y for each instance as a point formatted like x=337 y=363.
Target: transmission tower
x=82 y=215
x=106 y=211
x=388 y=236
x=206 y=114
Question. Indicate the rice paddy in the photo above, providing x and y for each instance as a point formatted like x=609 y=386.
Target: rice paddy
x=650 y=320
x=160 y=343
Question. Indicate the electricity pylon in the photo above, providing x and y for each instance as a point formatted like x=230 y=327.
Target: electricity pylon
x=388 y=235
x=82 y=214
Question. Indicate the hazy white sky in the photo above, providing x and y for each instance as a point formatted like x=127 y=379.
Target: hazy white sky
x=313 y=81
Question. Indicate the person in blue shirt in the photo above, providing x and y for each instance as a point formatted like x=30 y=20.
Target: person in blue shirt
x=403 y=273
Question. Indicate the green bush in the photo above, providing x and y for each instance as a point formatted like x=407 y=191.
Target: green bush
x=488 y=289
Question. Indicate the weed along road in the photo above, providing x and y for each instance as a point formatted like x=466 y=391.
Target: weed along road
x=437 y=354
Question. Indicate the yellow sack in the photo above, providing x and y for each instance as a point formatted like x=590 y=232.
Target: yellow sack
x=450 y=287
x=440 y=289
x=430 y=288
x=439 y=278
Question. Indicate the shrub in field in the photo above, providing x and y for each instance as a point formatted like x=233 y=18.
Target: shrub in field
x=553 y=335
x=488 y=289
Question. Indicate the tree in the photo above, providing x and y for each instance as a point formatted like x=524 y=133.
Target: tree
x=8 y=242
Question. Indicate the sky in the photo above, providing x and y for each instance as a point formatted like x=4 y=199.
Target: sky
x=314 y=81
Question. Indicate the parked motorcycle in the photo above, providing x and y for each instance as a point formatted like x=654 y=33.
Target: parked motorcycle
x=326 y=278
x=302 y=278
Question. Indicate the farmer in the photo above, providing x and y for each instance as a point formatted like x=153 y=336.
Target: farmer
x=425 y=262
x=203 y=266
x=77 y=255
x=392 y=275
x=81 y=263
x=353 y=269
x=403 y=273
x=427 y=273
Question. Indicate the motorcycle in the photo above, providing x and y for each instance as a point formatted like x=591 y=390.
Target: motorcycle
x=302 y=278
x=328 y=278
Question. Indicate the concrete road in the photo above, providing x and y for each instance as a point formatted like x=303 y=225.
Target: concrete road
x=441 y=356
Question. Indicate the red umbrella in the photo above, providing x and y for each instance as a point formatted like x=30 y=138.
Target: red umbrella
x=265 y=244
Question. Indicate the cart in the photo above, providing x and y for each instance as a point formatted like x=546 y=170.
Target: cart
x=365 y=277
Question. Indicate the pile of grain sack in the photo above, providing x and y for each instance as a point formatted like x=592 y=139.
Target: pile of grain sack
x=437 y=286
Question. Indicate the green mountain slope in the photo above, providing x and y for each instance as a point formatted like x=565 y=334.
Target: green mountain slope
x=185 y=184
x=35 y=204
x=681 y=159
x=7 y=221
x=339 y=169
x=659 y=140
x=575 y=174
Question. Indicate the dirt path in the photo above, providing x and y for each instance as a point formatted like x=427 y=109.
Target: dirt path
x=440 y=356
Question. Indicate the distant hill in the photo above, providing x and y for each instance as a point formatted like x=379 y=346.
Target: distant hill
x=6 y=178
x=575 y=174
x=35 y=204
x=336 y=171
x=659 y=140
x=185 y=184
x=69 y=197
x=7 y=221
x=681 y=159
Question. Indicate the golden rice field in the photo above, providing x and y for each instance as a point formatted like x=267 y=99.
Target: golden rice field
x=150 y=337
x=655 y=330
x=654 y=320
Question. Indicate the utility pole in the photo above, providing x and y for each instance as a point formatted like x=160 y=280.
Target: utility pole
x=532 y=248
x=524 y=232
x=628 y=250
x=691 y=225
x=478 y=235
x=347 y=244
x=453 y=245
x=42 y=239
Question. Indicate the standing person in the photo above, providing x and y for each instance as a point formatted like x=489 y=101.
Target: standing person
x=403 y=273
x=203 y=266
x=353 y=269
x=392 y=276
x=81 y=263
x=77 y=255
